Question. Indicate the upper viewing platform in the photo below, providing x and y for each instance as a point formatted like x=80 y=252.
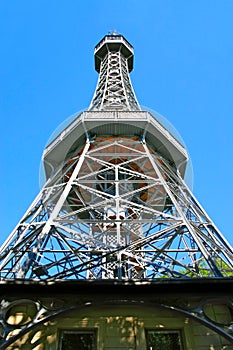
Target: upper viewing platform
x=113 y=42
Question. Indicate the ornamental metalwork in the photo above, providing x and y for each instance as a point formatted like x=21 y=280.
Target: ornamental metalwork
x=34 y=319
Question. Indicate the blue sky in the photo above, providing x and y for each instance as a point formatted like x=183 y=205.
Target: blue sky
x=183 y=70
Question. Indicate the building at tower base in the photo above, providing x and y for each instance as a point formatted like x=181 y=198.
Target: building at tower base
x=116 y=252
x=170 y=314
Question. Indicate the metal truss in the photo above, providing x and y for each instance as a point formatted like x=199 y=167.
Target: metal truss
x=114 y=90
x=116 y=209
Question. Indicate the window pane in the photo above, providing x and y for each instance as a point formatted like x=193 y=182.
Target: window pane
x=163 y=340
x=77 y=340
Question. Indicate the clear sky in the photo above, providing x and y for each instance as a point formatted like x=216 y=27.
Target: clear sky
x=183 y=70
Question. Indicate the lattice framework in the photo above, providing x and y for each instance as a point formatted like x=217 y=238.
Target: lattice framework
x=116 y=209
x=114 y=90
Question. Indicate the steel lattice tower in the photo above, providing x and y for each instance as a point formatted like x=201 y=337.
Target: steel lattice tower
x=115 y=205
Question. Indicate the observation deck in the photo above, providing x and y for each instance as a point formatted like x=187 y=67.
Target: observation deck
x=113 y=42
x=139 y=123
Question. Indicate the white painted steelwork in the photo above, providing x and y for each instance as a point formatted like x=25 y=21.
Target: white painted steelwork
x=114 y=62
x=115 y=205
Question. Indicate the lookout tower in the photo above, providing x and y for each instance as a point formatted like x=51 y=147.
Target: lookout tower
x=115 y=211
x=115 y=204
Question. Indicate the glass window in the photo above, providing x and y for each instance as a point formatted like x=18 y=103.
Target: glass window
x=77 y=340
x=166 y=340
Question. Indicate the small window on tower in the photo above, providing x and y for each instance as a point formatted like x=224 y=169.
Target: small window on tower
x=163 y=340
x=77 y=340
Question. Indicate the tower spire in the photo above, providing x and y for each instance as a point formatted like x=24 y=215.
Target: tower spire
x=114 y=62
